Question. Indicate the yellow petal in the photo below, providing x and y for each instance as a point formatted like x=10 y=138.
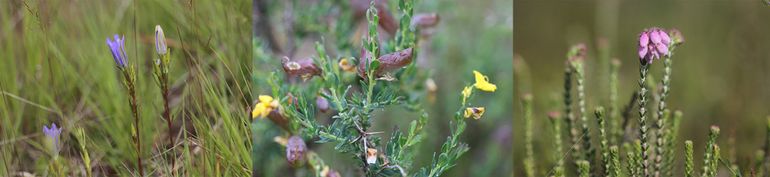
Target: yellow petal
x=482 y=82
x=466 y=93
x=265 y=99
x=486 y=87
x=468 y=112
x=259 y=110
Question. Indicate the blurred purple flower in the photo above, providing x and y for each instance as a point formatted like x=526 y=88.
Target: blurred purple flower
x=295 y=150
x=653 y=43
x=118 y=49
x=53 y=134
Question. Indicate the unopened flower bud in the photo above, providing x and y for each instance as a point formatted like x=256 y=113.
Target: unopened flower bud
x=295 y=150
x=322 y=104
x=160 y=41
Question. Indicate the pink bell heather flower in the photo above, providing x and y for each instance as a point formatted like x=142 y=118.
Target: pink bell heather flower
x=653 y=43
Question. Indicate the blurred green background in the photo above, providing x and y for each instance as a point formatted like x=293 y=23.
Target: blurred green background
x=720 y=74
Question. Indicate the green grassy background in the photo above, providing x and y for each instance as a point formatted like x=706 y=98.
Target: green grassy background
x=719 y=73
x=56 y=68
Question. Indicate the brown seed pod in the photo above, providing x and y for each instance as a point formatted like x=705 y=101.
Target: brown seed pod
x=304 y=68
x=295 y=150
x=425 y=20
x=388 y=62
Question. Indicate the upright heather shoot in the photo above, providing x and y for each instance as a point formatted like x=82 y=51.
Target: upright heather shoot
x=689 y=164
x=569 y=118
x=614 y=165
x=711 y=157
x=584 y=168
x=558 y=170
x=576 y=61
x=575 y=58
x=603 y=139
x=666 y=80
x=616 y=129
x=653 y=43
x=117 y=47
x=529 y=161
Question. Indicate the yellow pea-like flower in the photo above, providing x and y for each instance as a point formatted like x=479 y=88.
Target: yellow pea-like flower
x=466 y=93
x=263 y=108
x=475 y=112
x=482 y=82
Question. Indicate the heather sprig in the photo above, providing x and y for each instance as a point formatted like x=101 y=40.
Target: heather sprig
x=584 y=168
x=689 y=163
x=576 y=62
x=647 y=52
x=558 y=170
x=662 y=130
x=605 y=154
x=616 y=128
x=712 y=154
x=529 y=161
x=614 y=162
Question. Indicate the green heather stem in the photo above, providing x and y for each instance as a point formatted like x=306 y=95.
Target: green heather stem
x=711 y=157
x=529 y=161
x=643 y=119
x=689 y=164
x=616 y=129
x=584 y=168
x=586 y=138
x=661 y=129
x=556 y=123
x=670 y=150
x=568 y=117
x=614 y=162
x=603 y=136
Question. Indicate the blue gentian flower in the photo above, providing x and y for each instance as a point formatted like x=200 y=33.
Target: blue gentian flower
x=53 y=133
x=118 y=49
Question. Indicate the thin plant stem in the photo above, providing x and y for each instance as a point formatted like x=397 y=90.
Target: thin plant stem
x=643 y=119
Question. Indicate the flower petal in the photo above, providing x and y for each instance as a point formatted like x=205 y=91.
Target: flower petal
x=644 y=39
x=642 y=51
x=655 y=37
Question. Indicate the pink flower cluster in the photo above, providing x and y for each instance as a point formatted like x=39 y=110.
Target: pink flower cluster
x=653 y=44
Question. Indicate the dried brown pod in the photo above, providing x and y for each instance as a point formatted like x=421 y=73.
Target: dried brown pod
x=295 y=150
x=304 y=68
x=388 y=62
x=425 y=20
